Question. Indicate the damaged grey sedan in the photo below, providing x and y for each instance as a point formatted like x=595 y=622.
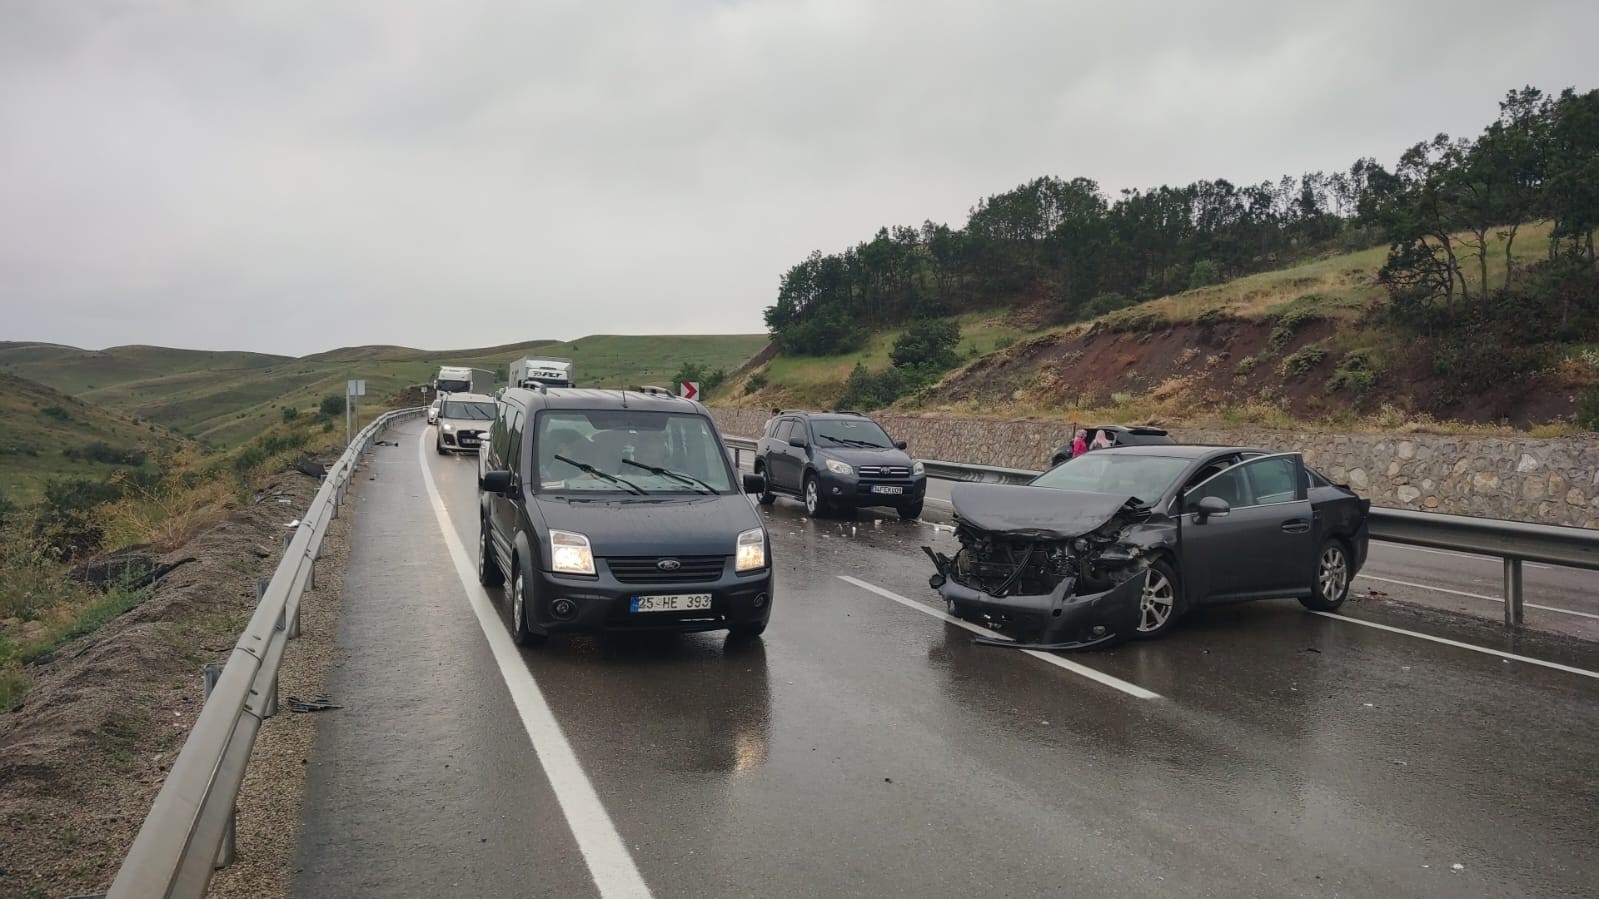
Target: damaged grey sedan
x=1118 y=543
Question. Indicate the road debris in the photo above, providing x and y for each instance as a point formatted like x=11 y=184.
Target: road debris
x=319 y=704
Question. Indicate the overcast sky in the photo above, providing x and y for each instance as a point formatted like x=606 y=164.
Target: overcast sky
x=289 y=176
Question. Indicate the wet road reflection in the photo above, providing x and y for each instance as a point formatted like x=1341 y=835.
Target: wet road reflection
x=861 y=748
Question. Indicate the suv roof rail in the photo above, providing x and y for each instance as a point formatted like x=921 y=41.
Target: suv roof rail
x=848 y=412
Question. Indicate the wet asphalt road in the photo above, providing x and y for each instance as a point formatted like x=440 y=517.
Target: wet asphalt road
x=866 y=748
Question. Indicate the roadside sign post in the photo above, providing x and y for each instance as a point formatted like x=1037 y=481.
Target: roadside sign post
x=352 y=389
x=689 y=390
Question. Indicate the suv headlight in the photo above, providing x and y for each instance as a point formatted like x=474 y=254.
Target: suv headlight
x=751 y=551
x=918 y=469
x=837 y=467
x=570 y=553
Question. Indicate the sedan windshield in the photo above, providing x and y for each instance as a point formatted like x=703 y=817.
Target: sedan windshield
x=850 y=432
x=1144 y=478
x=626 y=451
x=468 y=411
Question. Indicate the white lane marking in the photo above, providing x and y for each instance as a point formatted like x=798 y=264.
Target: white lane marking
x=608 y=860
x=1459 y=645
x=1069 y=665
x=1497 y=599
x=1458 y=555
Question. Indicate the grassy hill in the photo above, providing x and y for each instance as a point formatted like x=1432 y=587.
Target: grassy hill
x=45 y=433
x=1303 y=344
x=227 y=398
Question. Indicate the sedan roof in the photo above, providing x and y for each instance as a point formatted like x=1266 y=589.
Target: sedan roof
x=1176 y=450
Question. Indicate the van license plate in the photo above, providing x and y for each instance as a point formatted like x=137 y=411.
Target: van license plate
x=896 y=491
x=681 y=602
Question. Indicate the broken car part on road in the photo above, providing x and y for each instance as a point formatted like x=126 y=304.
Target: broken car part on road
x=1050 y=567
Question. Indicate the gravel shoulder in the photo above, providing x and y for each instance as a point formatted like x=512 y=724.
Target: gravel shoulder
x=267 y=822
x=84 y=755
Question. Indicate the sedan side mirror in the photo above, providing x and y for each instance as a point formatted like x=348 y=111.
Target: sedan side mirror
x=901 y=445
x=754 y=483
x=495 y=482
x=797 y=442
x=1213 y=507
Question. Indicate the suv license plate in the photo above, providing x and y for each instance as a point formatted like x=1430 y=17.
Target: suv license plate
x=896 y=491
x=681 y=602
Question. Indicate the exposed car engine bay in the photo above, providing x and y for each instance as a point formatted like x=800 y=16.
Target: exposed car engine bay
x=1052 y=568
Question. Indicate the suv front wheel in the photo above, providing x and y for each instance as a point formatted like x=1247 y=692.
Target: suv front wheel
x=815 y=505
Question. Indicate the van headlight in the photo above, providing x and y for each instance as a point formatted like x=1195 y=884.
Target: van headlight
x=918 y=469
x=570 y=553
x=448 y=426
x=837 y=467
x=751 y=551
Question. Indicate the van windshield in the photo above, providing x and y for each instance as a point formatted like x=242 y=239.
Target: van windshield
x=627 y=451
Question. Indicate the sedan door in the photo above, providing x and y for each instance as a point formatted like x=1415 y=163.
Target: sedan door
x=1262 y=546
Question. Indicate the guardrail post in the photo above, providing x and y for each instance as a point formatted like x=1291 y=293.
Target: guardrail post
x=293 y=624
x=1513 y=606
x=225 y=852
x=269 y=706
x=261 y=588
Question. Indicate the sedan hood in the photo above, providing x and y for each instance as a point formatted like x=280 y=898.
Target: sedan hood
x=1036 y=513
x=860 y=455
x=653 y=526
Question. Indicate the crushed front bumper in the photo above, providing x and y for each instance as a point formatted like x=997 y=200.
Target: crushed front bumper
x=1058 y=620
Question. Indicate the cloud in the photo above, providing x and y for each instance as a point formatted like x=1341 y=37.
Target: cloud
x=291 y=176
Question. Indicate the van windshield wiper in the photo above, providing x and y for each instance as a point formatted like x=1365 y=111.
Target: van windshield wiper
x=586 y=468
x=669 y=473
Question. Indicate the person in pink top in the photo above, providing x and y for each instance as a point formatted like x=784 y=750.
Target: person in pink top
x=1079 y=443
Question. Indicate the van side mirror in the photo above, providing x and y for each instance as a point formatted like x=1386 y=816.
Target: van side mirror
x=754 y=483
x=901 y=445
x=1212 y=507
x=797 y=442
x=495 y=482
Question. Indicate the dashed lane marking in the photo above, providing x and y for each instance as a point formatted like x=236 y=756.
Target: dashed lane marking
x=1459 y=645
x=1057 y=661
x=1497 y=599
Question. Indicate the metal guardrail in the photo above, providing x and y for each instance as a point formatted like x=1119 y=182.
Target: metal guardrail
x=1513 y=542
x=189 y=831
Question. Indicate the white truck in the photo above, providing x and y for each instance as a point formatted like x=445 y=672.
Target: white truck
x=454 y=379
x=532 y=371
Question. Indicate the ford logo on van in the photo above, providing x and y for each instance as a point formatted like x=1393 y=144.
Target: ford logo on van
x=669 y=564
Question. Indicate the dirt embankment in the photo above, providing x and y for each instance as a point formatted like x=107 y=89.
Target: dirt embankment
x=1222 y=361
x=85 y=754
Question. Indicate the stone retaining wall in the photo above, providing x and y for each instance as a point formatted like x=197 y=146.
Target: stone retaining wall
x=1554 y=481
